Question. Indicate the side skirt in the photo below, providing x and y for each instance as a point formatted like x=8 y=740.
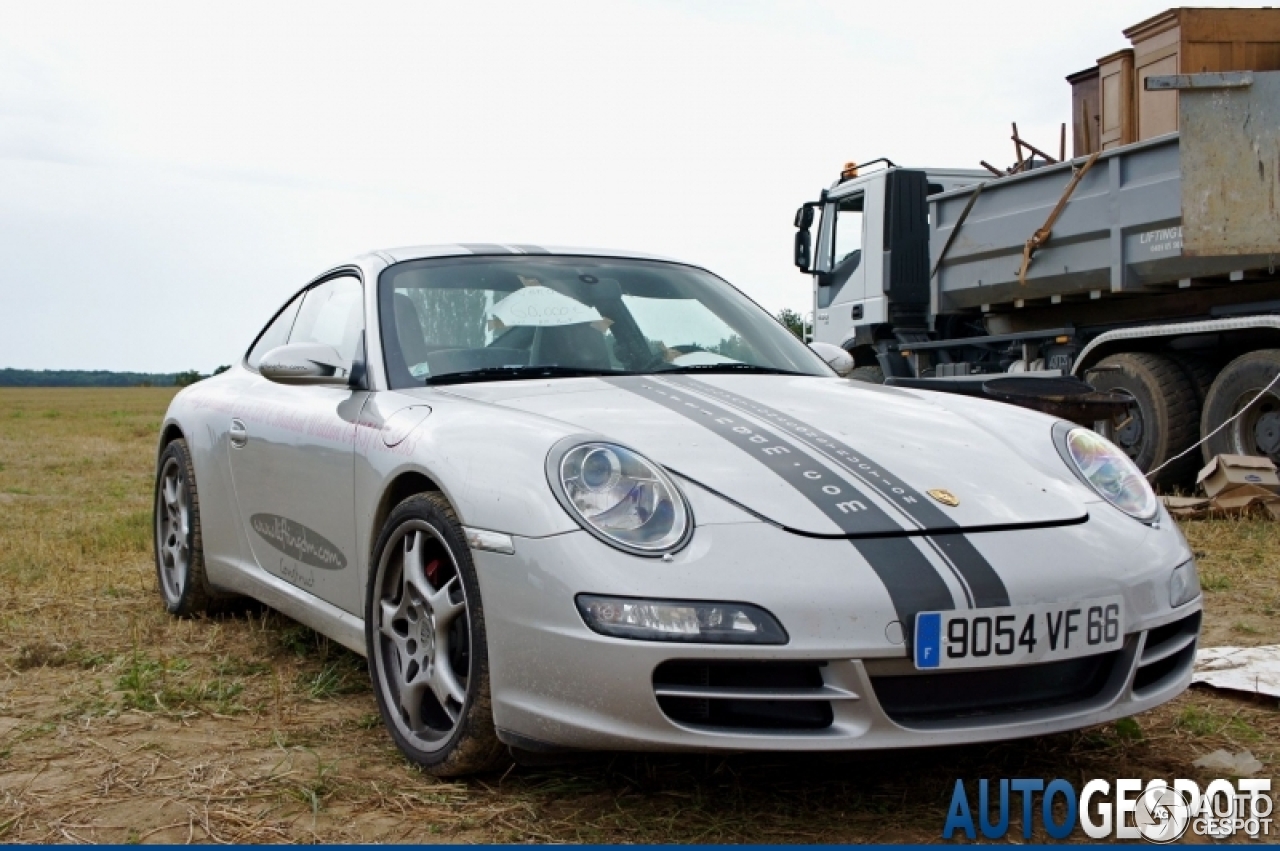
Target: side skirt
x=325 y=618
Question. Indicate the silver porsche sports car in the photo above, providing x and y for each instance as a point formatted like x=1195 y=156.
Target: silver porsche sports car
x=584 y=499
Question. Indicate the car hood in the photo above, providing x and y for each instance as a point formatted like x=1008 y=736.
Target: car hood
x=819 y=456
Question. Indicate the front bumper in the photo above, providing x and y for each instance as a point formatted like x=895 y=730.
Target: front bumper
x=844 y=681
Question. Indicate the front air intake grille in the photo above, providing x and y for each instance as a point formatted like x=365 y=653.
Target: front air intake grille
x=765 y=696
x=958 y=695
x=1169 y=651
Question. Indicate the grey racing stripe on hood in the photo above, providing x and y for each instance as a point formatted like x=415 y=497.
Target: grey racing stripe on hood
x=912 y=582
x=983 y=585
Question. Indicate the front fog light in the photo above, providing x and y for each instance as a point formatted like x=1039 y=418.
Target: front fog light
x=680 y=620
x=1184 y=584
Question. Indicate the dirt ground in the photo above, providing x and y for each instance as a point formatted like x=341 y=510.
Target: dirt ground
x=120 y=724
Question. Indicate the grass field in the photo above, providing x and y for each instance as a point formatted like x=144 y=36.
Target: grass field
x=120 y=724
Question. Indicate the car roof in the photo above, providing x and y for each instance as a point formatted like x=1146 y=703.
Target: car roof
x=419 y=252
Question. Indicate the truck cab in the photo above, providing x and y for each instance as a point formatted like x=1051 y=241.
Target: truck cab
x=871 y=252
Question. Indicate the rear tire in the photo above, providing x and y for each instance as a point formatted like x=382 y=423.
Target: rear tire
x=179 y=541
x=867 y=374
x=1200 y=371
x=1257 y=431
x=1164 y=417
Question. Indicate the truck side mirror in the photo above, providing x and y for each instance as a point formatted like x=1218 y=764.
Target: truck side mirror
x=803 y=247
x=804 y=217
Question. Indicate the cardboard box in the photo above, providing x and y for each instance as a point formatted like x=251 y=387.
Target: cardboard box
x=1242 y=498
x=1230 y=471
x=1233 y=502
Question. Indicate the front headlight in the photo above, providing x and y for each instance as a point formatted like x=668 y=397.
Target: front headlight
x=619 y=496
x=1105 y=468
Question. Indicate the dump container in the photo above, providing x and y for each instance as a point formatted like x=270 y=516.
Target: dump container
x=1122 y=229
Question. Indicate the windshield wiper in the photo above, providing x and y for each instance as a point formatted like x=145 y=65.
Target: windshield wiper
x=511 y=373
x=730 y=367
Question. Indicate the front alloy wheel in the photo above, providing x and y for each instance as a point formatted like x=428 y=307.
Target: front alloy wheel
x=425 y=635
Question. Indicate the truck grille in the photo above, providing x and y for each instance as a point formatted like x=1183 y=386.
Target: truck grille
x=765 y=696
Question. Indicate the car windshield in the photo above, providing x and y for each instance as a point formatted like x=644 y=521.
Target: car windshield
x=492 y=318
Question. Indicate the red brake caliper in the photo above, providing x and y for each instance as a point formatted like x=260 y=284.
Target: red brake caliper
x=433 y=569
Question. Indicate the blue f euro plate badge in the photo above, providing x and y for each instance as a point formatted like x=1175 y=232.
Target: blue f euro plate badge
x=928 y=639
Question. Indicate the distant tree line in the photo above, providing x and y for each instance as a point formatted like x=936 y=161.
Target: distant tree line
x=99 y=378
x=796 y=323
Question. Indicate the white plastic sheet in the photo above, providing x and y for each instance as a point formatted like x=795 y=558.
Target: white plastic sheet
x=542 y=306
x=1251 y=669
x=1243 y=764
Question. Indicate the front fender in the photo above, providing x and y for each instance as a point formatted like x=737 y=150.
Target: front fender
x=488 y=462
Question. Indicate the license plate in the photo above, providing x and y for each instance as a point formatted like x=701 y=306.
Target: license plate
x=1018 y=635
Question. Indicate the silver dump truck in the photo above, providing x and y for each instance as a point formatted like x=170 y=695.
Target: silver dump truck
x=1148 y=270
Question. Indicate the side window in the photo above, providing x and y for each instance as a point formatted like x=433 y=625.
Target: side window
x=332 y=313
x=848 y=236
x=275 y=334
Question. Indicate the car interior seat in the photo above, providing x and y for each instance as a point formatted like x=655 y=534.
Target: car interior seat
x=413 y=343
x=579 y=345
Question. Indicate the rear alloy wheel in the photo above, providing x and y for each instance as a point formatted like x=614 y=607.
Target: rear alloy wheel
x=1257 y=430
x=1162 y=419
x=179 y=545
x=425 y=635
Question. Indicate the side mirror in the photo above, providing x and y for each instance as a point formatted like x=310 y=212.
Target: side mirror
x=305 y=363
x=836 y=357
x=804 y=217
x=802 y=250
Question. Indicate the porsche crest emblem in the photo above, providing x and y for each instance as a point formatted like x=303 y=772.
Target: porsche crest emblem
x=945 y=497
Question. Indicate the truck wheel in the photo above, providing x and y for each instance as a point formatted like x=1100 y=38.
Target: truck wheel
x=1200 y=371
x=867 y=374
x=1162 y=421
x=1257 y=430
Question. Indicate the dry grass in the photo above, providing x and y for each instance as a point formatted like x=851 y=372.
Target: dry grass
x=120 y=724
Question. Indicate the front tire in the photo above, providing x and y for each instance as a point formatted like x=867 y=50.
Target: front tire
x=179 y=541
x=426 y=642
x=867 y=374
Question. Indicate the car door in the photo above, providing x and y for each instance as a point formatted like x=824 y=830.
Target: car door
x=292 y=453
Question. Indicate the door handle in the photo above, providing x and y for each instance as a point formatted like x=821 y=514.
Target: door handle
x=238 y=433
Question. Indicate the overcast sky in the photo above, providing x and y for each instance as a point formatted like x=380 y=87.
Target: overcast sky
x=171 y=172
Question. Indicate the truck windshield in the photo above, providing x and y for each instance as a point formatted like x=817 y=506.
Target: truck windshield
x=492 y=318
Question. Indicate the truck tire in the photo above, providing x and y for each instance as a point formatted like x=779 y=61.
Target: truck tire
x=1164 y=417
x=1200 y=371
x=1257 y=430
x=867 y=374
